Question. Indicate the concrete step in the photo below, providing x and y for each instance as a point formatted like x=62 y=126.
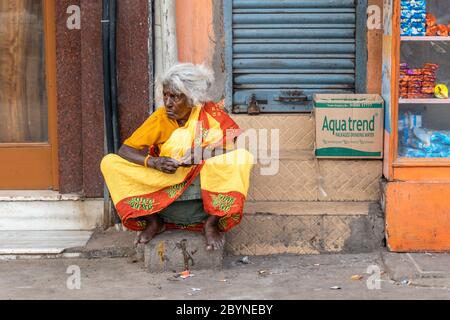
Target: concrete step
x=48 y=210
x=300 y=177
x=267 y=228
x=177 y=251
x=165 y=253
x=41 y=242
x=307 y=228
x=107 y=244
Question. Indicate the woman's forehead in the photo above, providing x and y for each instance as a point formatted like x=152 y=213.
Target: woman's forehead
x=170 y=89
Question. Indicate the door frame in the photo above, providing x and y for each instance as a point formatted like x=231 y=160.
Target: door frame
x=49 y=9
x=39 y=153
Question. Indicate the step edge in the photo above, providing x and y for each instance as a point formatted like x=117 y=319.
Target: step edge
x=306 y=208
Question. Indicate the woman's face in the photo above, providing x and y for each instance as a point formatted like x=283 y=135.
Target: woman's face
x=177 y=106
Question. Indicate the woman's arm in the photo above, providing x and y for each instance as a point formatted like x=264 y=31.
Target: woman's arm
x=163 y=164
x=194 y=156
x=133 y=155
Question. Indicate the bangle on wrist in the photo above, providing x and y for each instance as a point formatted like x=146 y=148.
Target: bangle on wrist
x=146 y=161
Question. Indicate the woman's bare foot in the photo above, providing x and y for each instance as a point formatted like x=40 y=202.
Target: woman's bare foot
x=214 y=238
x=154 y=226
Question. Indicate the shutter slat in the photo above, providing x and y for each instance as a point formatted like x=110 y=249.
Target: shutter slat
x=282 y=10
x=307 y=26
x=240 y=97
x=318 y=18
x=264 y=34
x=293 y=63
x=294 y=86
x=294 y=48
x=294 y=79
x=295 y=71
x=293 y=56
x=275 y=41
x=241 y=4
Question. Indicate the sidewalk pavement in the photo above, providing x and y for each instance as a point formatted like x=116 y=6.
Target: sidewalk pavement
x=332 y=276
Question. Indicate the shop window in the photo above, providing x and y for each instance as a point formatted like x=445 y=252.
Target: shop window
x=424 y=107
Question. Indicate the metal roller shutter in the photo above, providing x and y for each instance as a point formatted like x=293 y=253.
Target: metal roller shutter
x=282 y=52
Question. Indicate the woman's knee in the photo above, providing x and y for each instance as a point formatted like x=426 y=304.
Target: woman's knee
x=107 y=162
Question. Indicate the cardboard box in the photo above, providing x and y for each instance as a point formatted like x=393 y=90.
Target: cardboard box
x=349 y=126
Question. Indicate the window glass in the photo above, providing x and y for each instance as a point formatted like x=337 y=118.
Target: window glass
x=23 y=99
x=424 y=107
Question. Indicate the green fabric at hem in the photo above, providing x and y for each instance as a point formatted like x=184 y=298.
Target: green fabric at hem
x=184 y=212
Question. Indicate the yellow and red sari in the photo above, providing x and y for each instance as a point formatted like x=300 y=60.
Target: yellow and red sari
x=137 y=191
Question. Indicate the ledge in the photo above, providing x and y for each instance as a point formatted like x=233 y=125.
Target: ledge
x=38 y=195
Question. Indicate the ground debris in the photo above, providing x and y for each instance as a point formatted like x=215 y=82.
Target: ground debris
x=405 y=282
x=335 y=288
x=244 y=260
x=173 y=279
x=183 y=275
x=357 y=277
x=262 y=273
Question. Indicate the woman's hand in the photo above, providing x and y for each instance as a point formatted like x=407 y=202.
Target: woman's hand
x=196 y=156
x=164 y=164
x=192 y=157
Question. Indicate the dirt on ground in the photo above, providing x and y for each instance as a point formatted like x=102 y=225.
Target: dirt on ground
x=339 y=276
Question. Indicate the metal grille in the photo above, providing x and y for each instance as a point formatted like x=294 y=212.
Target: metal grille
x=283 y=52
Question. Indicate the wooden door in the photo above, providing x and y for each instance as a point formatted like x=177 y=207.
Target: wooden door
x=28 y=145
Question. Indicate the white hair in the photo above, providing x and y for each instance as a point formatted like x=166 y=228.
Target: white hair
x=194 y=81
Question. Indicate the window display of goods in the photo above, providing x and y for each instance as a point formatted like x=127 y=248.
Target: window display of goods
x=435 y=29
x=413 y=17
x=406 y=122
x=418 y=142
x=418 y=83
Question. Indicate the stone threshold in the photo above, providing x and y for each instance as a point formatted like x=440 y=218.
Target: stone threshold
x=44 y=210
x=37 y=195
x=41 y=242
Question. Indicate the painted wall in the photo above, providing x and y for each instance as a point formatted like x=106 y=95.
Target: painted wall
x=374 y=50
x=417 y=218
x=201 y=39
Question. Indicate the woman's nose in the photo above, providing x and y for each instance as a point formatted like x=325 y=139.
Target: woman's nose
x=169 y=101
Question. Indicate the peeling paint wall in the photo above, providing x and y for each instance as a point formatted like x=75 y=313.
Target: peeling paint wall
x=374 y=48
x=166 y=50
x=200 y=37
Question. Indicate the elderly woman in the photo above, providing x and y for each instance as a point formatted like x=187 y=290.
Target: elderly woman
x=185 y=138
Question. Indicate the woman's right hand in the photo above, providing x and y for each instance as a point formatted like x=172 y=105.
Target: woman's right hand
x=164 y=164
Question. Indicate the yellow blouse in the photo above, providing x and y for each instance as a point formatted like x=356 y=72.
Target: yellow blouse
x=156 y=130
